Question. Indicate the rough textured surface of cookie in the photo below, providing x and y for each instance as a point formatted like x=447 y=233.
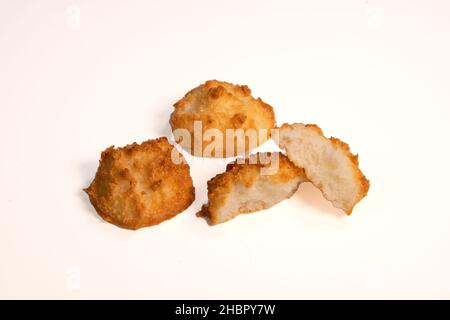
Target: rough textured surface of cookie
x=327 y=162
x=245 y=188
x=222 y=105
x=139 y=185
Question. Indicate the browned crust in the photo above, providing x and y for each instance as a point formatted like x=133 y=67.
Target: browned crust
x=220 y=186
x=138 y=185
x=222 y=105
x=359 y=176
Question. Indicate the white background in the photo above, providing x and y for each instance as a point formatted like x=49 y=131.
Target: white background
x=373 y=73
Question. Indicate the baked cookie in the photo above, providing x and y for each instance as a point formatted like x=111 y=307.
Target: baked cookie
x=259 y=183
x=139 y=185
x=328 y=164
x=201 y=119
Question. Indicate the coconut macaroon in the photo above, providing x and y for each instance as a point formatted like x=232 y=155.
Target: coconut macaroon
x=256 y=184
x=328 y=164
x=201 y=119
x=139 y=185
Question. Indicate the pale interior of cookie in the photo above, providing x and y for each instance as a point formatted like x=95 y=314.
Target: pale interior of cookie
x=326 y=165
x=262 y=194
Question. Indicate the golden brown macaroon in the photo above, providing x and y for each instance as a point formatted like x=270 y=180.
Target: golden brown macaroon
x=139 y=185
x=328 y=164
x=250 y=186
x=219 y=105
